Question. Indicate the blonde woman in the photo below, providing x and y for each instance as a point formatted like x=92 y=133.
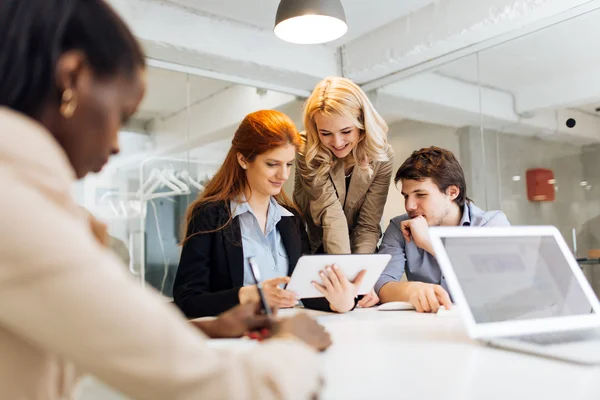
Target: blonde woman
x=344 y=171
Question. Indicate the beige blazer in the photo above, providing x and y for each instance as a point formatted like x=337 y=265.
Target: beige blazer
x=344 y=222
x=67 y=305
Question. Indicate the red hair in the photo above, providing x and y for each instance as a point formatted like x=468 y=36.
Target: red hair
x=258 y=133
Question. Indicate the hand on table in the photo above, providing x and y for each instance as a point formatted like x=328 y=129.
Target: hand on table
x=369 y=300
x=428 y=297
x=236 y=322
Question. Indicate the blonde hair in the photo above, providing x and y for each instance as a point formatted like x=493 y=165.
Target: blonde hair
x=341 y=96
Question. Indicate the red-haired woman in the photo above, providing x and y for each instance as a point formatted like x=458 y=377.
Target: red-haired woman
x=243 y=212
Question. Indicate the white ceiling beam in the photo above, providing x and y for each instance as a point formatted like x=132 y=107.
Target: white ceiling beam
x=178 y=39
x=430 y=97
x=234 y=51
x=442 y=100
x=205 y=123
x=447 y=30
x=568 y=91
x=214 y=120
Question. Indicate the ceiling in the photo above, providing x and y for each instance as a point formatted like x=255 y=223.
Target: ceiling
x=539 y=59
x=590 y=108
x=167 y=91
x=554 y=53
x=362 y=16
x=210 y=153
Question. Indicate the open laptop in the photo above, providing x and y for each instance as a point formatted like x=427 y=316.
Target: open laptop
x=520 y=288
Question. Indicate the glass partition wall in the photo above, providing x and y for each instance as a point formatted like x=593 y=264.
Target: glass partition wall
x=523 y=118
x=545 y=146
x=171 y=147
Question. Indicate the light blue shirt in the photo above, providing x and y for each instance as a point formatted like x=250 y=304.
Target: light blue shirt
x=418 y=264
x=267 y=247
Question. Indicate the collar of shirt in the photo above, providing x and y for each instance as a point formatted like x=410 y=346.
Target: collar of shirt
x=466 y=216
x=274 y=214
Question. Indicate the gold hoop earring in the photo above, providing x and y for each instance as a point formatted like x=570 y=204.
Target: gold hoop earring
x=68 y=104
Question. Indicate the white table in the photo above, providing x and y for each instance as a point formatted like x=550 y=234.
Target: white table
x=406 y=355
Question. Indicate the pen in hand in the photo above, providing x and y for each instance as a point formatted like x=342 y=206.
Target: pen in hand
x=265 y=308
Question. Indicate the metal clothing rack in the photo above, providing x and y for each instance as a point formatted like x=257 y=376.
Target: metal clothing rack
x=178 y=181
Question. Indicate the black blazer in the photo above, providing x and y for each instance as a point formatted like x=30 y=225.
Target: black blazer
x=211 y=268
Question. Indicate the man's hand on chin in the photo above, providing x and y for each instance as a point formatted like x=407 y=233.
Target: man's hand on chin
x=417 y=229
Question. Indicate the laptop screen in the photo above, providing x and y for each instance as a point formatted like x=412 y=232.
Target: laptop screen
x=512 y=278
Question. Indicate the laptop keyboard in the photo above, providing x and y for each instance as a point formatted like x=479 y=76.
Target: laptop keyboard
x=555 y=338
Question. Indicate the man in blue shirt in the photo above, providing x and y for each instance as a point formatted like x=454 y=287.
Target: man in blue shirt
x=435 y=194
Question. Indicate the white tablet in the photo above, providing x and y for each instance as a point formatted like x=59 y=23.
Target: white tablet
x=308 y=268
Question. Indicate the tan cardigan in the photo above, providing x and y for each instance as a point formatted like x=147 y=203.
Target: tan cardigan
x=343 y=222
x=67 y=305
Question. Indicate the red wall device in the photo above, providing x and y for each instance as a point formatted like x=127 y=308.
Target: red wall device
x=540 y=184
